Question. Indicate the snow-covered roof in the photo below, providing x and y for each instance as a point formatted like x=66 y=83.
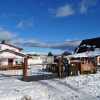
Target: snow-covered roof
x=11 y=54
x=84 y=54
x=88 y=44
x=12 y=45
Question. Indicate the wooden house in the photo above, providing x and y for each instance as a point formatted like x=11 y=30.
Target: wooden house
x=8 y=55
x=88 y=55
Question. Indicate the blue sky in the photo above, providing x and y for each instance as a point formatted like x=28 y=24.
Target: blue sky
x=49 y=25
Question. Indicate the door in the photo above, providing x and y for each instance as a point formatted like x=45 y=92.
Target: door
x=10 y=63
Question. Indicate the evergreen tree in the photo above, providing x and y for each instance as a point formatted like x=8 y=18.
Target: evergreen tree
x=50 y=54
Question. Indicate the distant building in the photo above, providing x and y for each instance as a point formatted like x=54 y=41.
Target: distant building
x=40 y=59
x=50 y=59
x=36 y=59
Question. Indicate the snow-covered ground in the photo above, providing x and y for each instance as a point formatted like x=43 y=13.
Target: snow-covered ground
x=82 y=87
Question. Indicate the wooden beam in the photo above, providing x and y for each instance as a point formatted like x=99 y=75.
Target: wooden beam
x=25 y=70
x=59 y=67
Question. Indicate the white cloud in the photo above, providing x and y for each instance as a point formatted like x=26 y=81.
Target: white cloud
x=62 y=11
x=67 y=10
x=85 y=5
x=20 y=24
x=83 y=9
x=6 y=35
x=20 y=41
x=25 y=23
x=69 y=45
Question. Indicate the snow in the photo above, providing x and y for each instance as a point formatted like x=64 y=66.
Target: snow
x=84 y=54
x=82 y=87
x=37 y=70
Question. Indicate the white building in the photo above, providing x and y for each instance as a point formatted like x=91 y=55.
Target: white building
x=40 y=59
x=36 y=59
x=8 y=54
x=50 y=59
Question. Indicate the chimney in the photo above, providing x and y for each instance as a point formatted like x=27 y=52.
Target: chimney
x=3 y=41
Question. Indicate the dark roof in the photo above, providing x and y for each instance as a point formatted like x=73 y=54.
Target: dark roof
x=83 y=47
x=12 y=46
x=11 y=51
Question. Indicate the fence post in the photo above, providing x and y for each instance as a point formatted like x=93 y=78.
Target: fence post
x=25 y=70
x=59 y=67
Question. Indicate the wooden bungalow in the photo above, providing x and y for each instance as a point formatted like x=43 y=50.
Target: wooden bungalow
x=7 y=59
x=8 y=55
x=87 y=55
